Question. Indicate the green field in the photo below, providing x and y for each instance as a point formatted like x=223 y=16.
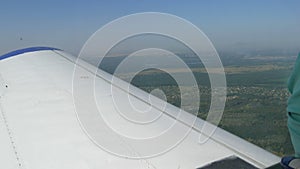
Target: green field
x=256 y=101
x=256 y=98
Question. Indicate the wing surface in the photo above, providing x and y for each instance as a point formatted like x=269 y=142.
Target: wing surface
x=39 y=127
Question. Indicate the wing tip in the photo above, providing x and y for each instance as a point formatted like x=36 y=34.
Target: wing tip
x=26 y=50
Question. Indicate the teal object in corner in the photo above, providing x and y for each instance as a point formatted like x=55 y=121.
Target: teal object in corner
x=293 y=107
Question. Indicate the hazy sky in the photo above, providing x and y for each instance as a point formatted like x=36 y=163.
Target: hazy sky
x=233 y=25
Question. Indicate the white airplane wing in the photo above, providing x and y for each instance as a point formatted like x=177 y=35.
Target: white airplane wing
x=39 y=127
